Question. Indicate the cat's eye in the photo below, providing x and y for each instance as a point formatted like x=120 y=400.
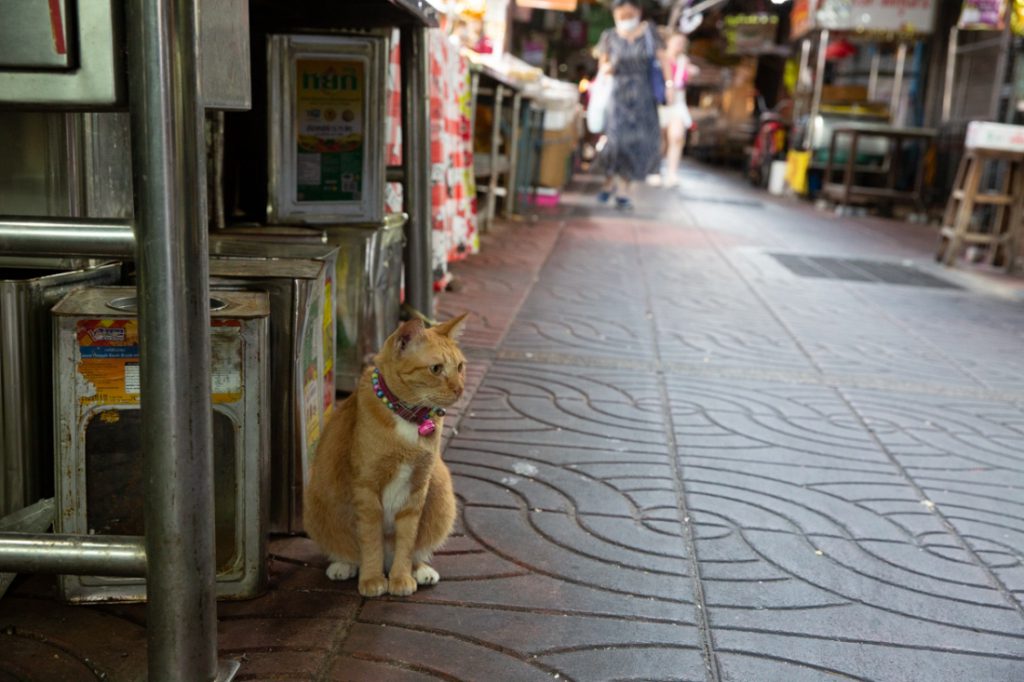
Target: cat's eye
x=462 y=367
x=436 y=369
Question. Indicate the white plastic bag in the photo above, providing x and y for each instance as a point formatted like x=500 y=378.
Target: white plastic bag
x=599 y=102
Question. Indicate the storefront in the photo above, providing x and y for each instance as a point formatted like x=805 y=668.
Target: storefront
x=858 y=90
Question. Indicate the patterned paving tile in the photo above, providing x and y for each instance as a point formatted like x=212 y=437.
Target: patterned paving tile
x=818 y=556
x=580 y=334
x=722 y=344
x=968 y=458
x=42 y=640
x=676 y=461
x=635 y=389
x=501 y=413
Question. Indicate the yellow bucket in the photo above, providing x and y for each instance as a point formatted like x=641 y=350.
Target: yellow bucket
x=796 y=170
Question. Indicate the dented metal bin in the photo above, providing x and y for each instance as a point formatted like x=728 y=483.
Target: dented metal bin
x=369 y=277
x=296 y=286
x=28 y=289
x=229 y=244
x=99 y=459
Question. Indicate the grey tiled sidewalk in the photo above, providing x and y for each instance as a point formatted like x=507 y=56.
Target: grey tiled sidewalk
x=714 y=469
x=676 y=460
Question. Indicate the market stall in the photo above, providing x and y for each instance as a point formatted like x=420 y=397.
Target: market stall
x=497 y=105
x=851 y=84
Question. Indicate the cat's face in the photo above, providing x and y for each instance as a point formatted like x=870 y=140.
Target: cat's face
x=425 y=366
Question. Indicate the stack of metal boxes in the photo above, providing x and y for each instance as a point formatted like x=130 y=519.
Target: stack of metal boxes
x=99 y=460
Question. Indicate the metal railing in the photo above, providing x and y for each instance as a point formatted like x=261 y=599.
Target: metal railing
x=170 y=248
x=67 y=237
x=168 y=241
x=419 y=280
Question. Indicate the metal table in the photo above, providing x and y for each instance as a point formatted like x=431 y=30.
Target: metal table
x=847 y=192
x=496 y=170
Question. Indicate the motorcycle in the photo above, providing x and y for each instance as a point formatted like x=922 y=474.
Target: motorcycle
x=770 y=142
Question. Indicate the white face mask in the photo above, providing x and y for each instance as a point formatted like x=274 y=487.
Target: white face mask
x=627 y=25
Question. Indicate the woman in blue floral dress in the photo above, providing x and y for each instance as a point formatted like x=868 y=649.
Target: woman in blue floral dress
x=632 y=149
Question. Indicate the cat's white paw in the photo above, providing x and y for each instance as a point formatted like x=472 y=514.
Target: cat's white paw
x=426 y=575
x=339 y=570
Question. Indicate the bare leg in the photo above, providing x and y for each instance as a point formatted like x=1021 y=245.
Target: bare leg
x=624 y=195
x=676 y=141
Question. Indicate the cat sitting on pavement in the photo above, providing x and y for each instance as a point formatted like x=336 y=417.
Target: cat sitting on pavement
x=380 y=498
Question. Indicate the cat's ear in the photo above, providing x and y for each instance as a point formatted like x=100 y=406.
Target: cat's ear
x=453 y=328
x=407 y=333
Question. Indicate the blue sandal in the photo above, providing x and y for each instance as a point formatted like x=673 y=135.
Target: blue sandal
x=603 y=196
x=623 y=203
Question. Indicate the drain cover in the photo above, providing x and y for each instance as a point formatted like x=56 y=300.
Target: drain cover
x=856 y=270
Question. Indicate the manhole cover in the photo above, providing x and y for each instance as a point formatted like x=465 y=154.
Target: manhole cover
x=857 y=270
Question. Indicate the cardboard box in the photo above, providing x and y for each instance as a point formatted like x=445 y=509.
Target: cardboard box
x=995 y=136
x=555 y=157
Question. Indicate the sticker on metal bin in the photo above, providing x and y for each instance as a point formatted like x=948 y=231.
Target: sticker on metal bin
x=108 y=352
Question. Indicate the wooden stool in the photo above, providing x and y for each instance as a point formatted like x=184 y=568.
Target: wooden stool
x=1003 y=237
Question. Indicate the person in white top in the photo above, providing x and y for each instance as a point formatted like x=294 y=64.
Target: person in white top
x=677 y=113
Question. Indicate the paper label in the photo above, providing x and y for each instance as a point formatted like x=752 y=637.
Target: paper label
x=330 y=140
x=109 y=361
x=226 y=361
x=108 y=353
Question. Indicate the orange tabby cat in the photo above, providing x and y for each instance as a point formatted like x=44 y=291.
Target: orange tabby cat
x=379 y=494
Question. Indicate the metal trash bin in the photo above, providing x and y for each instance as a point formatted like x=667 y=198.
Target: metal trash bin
x=296 y=286
x=236 y=243
x=100 y=485
x=28 y=289
x=369 y=277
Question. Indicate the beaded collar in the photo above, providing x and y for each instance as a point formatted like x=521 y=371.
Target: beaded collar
x=423 y=417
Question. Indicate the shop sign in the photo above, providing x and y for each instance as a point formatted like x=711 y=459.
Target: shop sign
x=995 y=136
x=983 y=15
x=877 y=16
x=750 y=34
x=553 y=5
x=801 y=18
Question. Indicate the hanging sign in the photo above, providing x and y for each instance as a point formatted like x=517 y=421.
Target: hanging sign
x=877 y=16
x=553 y=5
x=983 y=15
x=750 y=34
x=801 y=18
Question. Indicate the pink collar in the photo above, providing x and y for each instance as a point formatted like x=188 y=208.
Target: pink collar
x=423 y=417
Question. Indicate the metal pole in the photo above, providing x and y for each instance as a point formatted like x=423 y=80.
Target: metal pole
x=512 y=184
x=876 y=59
x=474 y=92
x=492 y=180
x=819 y=84
x=419 y=284
x=897 y=82
x=947 y=87
x=66 y=236
x=999 y=75
x=174 y=314
x=72 y=554
x=805 y=61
